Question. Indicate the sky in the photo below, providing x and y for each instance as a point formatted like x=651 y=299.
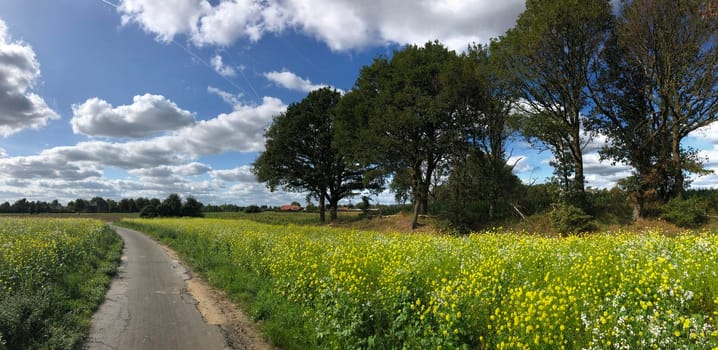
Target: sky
x=129 y=98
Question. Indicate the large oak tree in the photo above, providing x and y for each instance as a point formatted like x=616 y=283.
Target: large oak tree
x=301 y=154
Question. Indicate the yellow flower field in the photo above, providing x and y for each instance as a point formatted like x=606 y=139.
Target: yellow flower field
x=53 y=274
x=490 y=290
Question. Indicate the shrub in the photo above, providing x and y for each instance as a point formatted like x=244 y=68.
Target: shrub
x=149 y=211
x=568 y=219
x=252 y=209
x=685 y=212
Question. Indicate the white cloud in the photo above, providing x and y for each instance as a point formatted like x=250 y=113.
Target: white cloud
x=291 y=81
x=241 y=130
x=603 y=174
x=146 y=116
x=163 y=165
x=239 y=174
x=341 y=24
x=707 y=134
x=521 y=164
x=164 y=18
x=19 y=70
x=221 y=68
x=228 y=21
x=165 y=161
x=231 y=99
x=189 y=169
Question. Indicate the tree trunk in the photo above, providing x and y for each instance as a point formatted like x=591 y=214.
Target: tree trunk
x=638 y=203
x=333 y=210
x=424 y=208
x=676 y=168
x=417 y=193
x=580 y=181
x=322 y=216
x=415 y=217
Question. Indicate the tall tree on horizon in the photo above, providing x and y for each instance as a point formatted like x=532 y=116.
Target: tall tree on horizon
x=301 y=154
x=550 y=52
x=407 y=116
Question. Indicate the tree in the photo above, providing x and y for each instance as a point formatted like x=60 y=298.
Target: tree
x=659 y=82
x=550 y=52
x=78 y=206
x=171 y=206
x=99 y=204
x=488 y=99
x=301 y=153
x=148 y=211
x=405 y=116
x=192 y=207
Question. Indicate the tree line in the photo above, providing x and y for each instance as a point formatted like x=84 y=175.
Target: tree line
x=173 y=205
x=435 y=126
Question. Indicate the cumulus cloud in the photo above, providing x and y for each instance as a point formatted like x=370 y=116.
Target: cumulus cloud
x=19 y=69
x=164 y=160
x=146 y=116
x=707 y=134
x=341 y=24
x=239 y=174
x=291 y=81
x=164 y=18
x=163 y=164
x=603 y=174
x=221 y=68
x=189 y=169
x=241 y=130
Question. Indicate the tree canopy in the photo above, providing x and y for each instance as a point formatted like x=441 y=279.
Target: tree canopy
x=301 y=153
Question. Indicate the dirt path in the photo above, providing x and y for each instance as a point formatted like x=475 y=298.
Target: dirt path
x=155 y=303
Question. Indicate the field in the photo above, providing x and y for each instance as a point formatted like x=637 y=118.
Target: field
x=53 y=275
x=322 y=287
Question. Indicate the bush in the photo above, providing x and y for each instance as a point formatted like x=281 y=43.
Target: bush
x=568 y=219
x=149 y=211
x=252 y=209
x=685 y=212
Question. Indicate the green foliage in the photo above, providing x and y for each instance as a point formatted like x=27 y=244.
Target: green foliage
x=568 y=219
x=403 y=110
x=148 y=211
x=685 y=212
x=252 y=209
x=192 y=208
x=610 y=206
x=302 y=153
x=477 y=194
x=172 y=206
x=538 y=198
x=53 y=276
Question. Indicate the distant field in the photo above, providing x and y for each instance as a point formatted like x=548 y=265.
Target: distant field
x=273 y=217
x=322 y=287
x=53 y=275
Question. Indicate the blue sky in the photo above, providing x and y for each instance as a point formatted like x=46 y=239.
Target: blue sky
x=150 y=97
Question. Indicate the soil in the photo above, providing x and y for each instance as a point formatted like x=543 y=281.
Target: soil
x=239 y=330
